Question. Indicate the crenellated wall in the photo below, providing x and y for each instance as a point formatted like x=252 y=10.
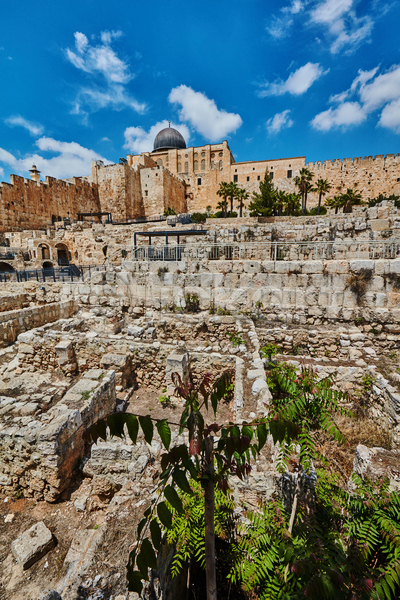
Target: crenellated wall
x=27 y=204
x=369 y=175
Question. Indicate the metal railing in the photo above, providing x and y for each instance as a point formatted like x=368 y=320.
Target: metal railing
x=270 y=251
x=63 y=274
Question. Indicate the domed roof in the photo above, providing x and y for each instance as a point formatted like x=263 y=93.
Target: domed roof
x=168 y=139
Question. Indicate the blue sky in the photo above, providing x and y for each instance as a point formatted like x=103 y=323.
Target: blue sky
x=97 y=80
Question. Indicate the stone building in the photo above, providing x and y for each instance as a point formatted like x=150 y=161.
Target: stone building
x=177 y=177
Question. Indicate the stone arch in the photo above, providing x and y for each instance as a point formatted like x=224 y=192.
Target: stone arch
x=196 y=165
x=186 y=167
x=203 y=165
x=47 y=265
x=5 y=267
x=43 y=251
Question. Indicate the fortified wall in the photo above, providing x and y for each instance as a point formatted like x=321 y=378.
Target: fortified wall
x=27 y=204
x=370 y=175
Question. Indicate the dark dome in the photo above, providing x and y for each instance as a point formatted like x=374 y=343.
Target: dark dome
x=168 y=139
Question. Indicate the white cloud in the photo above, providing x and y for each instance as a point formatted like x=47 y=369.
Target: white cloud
x=108 y=72
x=203 y=114
x=71 y=159
x=344 y=115
x=374 y=92
x=338 y=19
x=278 y=122
x=33 y=128
x=1 y=172
x=384 y=88
x=390 y=116
x=138 y=140
x=296 y=84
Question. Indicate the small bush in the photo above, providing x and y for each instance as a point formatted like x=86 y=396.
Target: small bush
x=161 y=271
x=169 y=212
x=192 y=302
x=314 y=211
x=358 y=283
x=235 y=339
x=165 y=401
x=198 y=217
x=124 y=253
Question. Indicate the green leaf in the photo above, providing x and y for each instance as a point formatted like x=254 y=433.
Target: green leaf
x=134 y=581
x=164 y=432
x=172 y=496
x=132 y=426
x=180 y=479
x=164 y=515
x=261 y=432
x=116 y=424
x=147 y=554
x=141 y=526
x=156 y=534
x=147 y=426
x=98 y=429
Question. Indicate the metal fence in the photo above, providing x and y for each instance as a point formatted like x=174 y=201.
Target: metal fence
x=69 y=273
x=270 y=251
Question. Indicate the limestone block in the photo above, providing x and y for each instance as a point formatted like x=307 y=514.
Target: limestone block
x=377 y=463
x=114 y=361
x=206 y=280
x=250 y=266
x=135 y=330
x=337 y=266
x=380 y=224
x=34 y=543
x=313 y=266
x=177 y=362
x=98 y=277
x=357 y=265
x=64 y=351
x=394 y=267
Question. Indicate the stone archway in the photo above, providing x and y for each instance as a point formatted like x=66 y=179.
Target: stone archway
x=6 y=268
x=43 y=252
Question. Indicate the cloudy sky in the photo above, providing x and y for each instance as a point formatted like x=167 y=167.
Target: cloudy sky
x=97 y=80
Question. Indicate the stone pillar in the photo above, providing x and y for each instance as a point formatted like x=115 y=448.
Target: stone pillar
x=177 y=362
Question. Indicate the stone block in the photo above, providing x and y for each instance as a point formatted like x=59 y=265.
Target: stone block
x=177 y=362
x=31 y=545
x=64 y=351
x=250 y=266
x=380 y=224
x=357 y=265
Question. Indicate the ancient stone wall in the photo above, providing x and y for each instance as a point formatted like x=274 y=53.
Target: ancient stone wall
x=119 y=190
x=13 y=322
x=160 y=190
x=370 y=175
x=40 y=457
x=26 y=204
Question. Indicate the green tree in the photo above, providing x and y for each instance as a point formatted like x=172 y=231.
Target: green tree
x=303 y=181
x=336 y=202
x=205 y=460
x=263 y=203
x=241 y=195
x=321 y=187
x=232 y=190
x=223 y=192
x=351 y=198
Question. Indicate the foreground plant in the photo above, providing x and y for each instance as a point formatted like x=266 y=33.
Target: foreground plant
x=206 y=460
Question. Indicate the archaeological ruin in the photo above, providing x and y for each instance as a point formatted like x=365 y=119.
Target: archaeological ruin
x=152 y=298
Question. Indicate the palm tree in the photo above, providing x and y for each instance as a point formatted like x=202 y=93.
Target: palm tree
x=223 y=192
x=303 y=181
x=232 y=189
x=351 y=198
x=281 y=200
x=241 y=195
x=336 y=202
x=322 y=187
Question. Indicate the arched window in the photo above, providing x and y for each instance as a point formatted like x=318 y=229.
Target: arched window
x=196 y=165
x=220 y=164
x=160 y=162
x=203 y=165
x=179 y=167
x=186 y=167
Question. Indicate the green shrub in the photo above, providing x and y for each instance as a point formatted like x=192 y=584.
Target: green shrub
x=198 y=217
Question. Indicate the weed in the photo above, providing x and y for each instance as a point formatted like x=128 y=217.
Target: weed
x=327 y=352
x=124 y=253
x=19 y=493
x=359 y=321
x=394 y=356
x=96 y=526
x=235 y=338
x=367 y=381
x=197 y=267
x=269 y=351
x=85 y=395
x=161 y=271
x=375 y=331
x=394 y=280
x=223 y=312
x=358 y=283
x=249 y=235
x=192 y=303
x=165 y=401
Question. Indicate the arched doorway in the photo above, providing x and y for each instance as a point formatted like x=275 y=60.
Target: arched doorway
x=6 y=268
x=43 y=252
x=47 y=265
x=62 y=255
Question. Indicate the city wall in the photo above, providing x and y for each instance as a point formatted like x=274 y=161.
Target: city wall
x=27 y=204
